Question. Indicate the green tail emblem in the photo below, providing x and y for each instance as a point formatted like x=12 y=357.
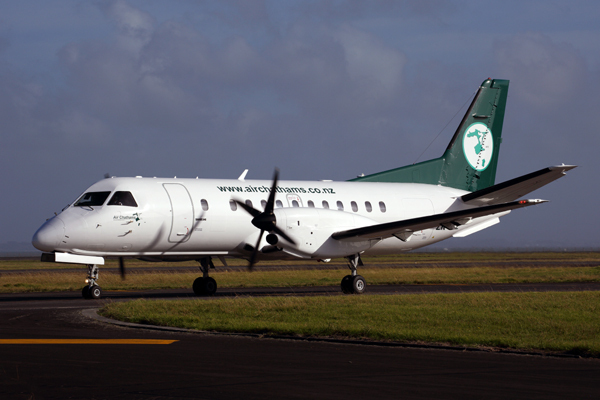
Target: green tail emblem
x=478 y=146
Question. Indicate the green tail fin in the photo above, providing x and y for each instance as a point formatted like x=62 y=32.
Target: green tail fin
x=470 y=160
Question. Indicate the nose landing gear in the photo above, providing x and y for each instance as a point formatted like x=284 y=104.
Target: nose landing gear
x=92 y=290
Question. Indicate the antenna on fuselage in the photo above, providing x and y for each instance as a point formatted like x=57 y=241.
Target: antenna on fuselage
x=243 y=175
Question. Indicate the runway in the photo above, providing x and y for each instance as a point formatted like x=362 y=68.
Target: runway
x=210 y=366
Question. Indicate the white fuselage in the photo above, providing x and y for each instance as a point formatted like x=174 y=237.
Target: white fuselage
x=195 y=218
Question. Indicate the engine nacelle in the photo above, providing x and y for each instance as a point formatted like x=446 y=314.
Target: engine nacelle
x=312 y=228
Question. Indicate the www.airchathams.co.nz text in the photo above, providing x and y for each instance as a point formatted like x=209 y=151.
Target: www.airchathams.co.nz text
x=279 y=189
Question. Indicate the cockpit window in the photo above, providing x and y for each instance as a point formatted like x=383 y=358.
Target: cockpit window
x=122 y=199
x=92 y=199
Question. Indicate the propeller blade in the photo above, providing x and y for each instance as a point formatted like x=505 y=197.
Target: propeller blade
x=271 y=201
x=283 y=235
x=250 y=210
x=122 y=267
x=255 y=252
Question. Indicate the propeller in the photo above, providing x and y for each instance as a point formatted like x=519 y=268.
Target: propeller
x=265 y=220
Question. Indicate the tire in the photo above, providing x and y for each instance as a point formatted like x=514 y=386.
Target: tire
x=347 y=284
x=210 y=286
x=198 y=286
x=359 y=285
x=95 y=292
x=85 y=292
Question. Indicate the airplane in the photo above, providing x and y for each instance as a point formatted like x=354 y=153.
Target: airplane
x=158 y=219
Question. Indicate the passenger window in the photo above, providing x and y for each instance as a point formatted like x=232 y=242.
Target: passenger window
x=368 y=206
x=232 y=205
x=279 y=204
x=325 y=204
x=204 y=204
x=354 y=206
x=263 y=203
x=340 y=205
x=249 y=203
x=92 y=199
x=311 y=204
x=295 y=203
x=382 y=206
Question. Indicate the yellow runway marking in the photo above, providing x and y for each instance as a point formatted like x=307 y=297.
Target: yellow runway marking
x=85 y=341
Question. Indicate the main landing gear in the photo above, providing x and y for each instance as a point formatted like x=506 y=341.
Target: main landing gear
x=92 y=290
x=354 y=283
x=205 y=286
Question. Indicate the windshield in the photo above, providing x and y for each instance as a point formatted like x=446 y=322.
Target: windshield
x=122 y=199
x=90 y=199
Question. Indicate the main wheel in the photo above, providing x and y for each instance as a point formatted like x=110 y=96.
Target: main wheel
x=95 y=292
x=347 y=284
x=198 y=286
x=85 y=292
x=210 y=286
x=358 y=284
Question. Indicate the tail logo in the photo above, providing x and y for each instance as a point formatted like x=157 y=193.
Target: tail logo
x=478 y=146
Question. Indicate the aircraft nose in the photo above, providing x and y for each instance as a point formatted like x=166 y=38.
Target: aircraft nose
x=49 y=235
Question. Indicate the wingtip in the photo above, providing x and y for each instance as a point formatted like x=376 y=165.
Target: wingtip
x=563 y=167
x=533 y=201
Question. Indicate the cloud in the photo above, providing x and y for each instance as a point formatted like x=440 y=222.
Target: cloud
x=171 y=77
x=348 y=9
x=134 y=25
x=374 y=67
x=330 y=71
x=544 y=73
x=251 y=15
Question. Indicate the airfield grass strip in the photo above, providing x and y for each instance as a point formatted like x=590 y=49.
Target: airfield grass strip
x=551 y=321
x=66 y=281
x=404 y=259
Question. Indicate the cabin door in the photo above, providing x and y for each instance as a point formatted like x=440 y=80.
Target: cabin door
x=182 y=212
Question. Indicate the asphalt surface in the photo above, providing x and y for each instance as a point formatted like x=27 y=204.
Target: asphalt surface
x=209 y=366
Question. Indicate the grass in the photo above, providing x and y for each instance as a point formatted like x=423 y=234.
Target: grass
x=553 y=321
x=67 y=281
x=465 y=259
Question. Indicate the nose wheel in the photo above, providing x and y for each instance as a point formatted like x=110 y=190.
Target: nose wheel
x=94 y=292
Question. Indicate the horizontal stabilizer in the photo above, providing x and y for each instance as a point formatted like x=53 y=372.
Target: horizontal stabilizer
x=403 y=229
x=516 y=188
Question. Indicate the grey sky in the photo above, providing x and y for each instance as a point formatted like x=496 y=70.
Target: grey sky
x=321 y=89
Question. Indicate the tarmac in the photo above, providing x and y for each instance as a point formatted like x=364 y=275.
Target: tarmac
x=78 y=355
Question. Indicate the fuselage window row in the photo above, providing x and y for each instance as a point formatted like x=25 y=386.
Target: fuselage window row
x=310 y=204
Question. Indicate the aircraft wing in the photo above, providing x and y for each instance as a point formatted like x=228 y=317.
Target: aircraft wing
x=404 y=229
x=515 y=188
